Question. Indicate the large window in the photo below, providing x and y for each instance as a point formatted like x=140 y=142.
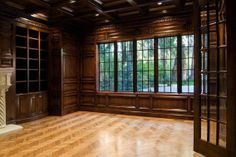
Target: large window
x=106 y=67
x=139 y=66
x=145 y=65
x=188 y=63
x=167 y=64
x=125 y=66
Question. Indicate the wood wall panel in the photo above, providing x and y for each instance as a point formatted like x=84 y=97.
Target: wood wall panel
x=151 y=104
x=144 y=102
x=101 y=100
x=70 y=67
x=87 y=99
x=128 y=101
x=55 y=73
x=88 y=70
x=64 y=75
x=170 y=102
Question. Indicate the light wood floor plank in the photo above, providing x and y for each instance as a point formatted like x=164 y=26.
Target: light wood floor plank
x=88 y=134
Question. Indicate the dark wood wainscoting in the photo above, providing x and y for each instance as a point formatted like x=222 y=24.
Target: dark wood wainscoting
x=160 y=105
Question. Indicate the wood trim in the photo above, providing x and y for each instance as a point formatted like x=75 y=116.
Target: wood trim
x=133 y=112
x=197 y=82
x=231 y=107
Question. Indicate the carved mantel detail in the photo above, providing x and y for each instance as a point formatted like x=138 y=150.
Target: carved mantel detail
x=5 y=83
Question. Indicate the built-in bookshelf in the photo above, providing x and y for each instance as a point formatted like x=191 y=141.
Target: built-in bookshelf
x=31 y=60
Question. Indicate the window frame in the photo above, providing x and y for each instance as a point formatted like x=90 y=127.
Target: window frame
x=177 y=64
x=98 y=66
x=148 y=66
x=117 y=64
x=155 y=50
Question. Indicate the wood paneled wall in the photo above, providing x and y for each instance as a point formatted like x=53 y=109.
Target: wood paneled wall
x=150 y=104
x=63 y=73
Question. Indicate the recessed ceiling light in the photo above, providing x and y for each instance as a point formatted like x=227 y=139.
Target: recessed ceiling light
x=72 y=1
x=159 y=3
x=96 y=14
x=164 y=11
x=107 y=20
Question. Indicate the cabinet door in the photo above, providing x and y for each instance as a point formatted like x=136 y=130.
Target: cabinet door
x=33 y=103
x=23 y=109
x=42 y=103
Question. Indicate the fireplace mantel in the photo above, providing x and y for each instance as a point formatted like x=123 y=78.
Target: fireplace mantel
x=5 y=83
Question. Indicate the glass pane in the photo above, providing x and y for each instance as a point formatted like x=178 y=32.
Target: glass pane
x=167 y=64
x=187 y=64
x=203 y=106
x=222 y=135
x=125 y=65
x=223 y=84
x=223 y=111
x=145 y=65
x=106 y=66
x=213 y=126
x=204 y=129
x=213 y=107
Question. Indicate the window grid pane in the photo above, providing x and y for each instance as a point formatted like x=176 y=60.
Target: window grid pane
x=188 y=64
x=125 y=66
x=106 y=67
x=167 y=64
x=145 y=65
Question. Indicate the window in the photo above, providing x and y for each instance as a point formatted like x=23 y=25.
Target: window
x=188 y=63
x=145 y=65
x=167 y=64
x=139 y=66
x=106 y=67
x=125 y=66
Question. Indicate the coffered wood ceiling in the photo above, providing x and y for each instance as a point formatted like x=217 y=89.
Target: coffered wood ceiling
x=94 y=12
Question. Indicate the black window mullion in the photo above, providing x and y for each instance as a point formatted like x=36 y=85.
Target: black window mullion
x=179 y=64
x=156 y=65
x=135 y=65
x=115 y=67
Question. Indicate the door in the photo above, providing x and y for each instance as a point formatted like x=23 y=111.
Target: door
x=210 y=117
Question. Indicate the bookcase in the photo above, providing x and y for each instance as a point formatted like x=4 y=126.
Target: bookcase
x=31 y=66
x=31 y=60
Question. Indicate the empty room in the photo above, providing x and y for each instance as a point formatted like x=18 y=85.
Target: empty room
x=117 y=78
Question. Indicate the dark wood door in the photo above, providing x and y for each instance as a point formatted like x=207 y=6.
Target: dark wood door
x=212 y=120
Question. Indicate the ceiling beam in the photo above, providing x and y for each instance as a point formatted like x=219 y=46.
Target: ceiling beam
x=44 y=6
x=41 y=3
x=132 y=3
x=179 y=3
x=17 y=13
x=139 y=5
x=99 y=8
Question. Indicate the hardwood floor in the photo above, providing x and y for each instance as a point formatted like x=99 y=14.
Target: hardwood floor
x=88 y=134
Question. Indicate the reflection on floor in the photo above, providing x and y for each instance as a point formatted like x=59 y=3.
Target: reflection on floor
x=88 y=134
